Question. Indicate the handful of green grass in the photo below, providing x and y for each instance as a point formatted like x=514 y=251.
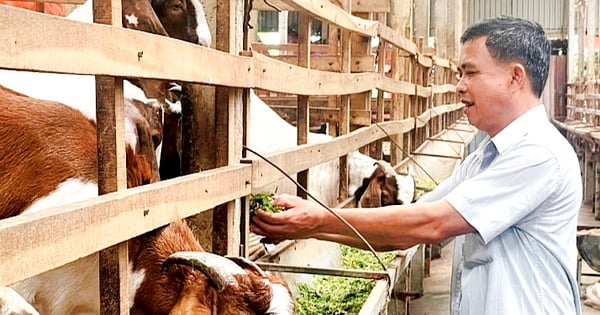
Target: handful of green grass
x=263 y=201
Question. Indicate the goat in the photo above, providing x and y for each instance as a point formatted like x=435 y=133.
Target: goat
x=49 y=145
x=180 y=278
x=268 y=132
x=385 y=187
x=50 y=150
x=186 y=21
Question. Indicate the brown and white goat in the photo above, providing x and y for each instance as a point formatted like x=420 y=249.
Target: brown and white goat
x=49 y=153
x=49 y=147
x=385 y=187
x=180 y=278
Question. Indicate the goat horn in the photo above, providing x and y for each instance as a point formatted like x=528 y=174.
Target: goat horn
x=218 y=269
x=175 y=87
x=247 y=263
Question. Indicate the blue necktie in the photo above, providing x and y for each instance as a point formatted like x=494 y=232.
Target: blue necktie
x=489 y=154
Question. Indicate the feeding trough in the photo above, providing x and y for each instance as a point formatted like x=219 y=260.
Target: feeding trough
x=588 y=245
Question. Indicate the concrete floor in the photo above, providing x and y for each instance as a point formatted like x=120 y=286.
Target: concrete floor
x=435 y=300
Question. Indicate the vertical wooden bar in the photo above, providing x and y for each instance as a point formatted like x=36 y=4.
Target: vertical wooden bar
x=361 y=47
x=399 y=20
x=110 y=120
x=334 y=49
x=377 y=151
x=229 y=237
x=344 y=122
x=302 y=110
x=409 y=100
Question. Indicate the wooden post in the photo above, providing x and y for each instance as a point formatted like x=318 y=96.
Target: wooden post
x=302 y=110
x=361 y=47
x=112 y=176
x=229 y=238
x=344 y=121
x=377 y=149
x=399 y=20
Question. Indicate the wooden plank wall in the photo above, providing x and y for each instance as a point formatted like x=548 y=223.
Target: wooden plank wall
x=419 y=105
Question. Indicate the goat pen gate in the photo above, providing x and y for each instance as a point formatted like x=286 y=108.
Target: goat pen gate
x=420 y=105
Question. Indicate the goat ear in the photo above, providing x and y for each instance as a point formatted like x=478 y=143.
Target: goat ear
x=361 y=190
x=218 y=269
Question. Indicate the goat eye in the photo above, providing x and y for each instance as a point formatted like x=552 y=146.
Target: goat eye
x=178 y=7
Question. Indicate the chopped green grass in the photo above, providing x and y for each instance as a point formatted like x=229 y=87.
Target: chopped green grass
x=263 y=201
x=329 y=295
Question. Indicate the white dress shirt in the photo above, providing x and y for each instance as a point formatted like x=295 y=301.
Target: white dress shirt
x=524 y=207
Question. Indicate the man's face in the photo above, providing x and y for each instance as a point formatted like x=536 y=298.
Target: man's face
x=484 y=86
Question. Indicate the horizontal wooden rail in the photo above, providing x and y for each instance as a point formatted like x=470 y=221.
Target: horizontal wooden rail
x=302 y=157
x=41 y=241
x=149 y=56
x=357 y=5
x=113 y=218
x=327 y=11
x=444 y=88
x=52 y=44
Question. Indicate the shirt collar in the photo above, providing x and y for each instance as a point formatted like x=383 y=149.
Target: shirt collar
x=519 y=127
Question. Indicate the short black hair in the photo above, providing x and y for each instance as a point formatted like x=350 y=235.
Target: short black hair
x=516 y=39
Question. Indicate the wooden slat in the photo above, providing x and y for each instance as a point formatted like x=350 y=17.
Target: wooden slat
x=423 y=119
x=332 y=63
x=282 y=77
x=443 y=109
x=441 y=62
x=444 y=88
x=112 y=175
x=56 y=236
x=397 y=39
x=424 y=60
x=320 y=114
x=263 y=48
x=395 y=86
x=357 y=5
x=302 y=157
x=50 y=48
x=423 y=91
x=327 y=11
x=46 y=43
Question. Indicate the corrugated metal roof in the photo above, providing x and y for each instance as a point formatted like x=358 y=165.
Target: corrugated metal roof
x=549 y=13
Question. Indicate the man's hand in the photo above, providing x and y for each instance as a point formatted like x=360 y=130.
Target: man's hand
x=301 y=219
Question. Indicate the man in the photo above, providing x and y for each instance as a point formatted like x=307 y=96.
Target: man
x=512 y=204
